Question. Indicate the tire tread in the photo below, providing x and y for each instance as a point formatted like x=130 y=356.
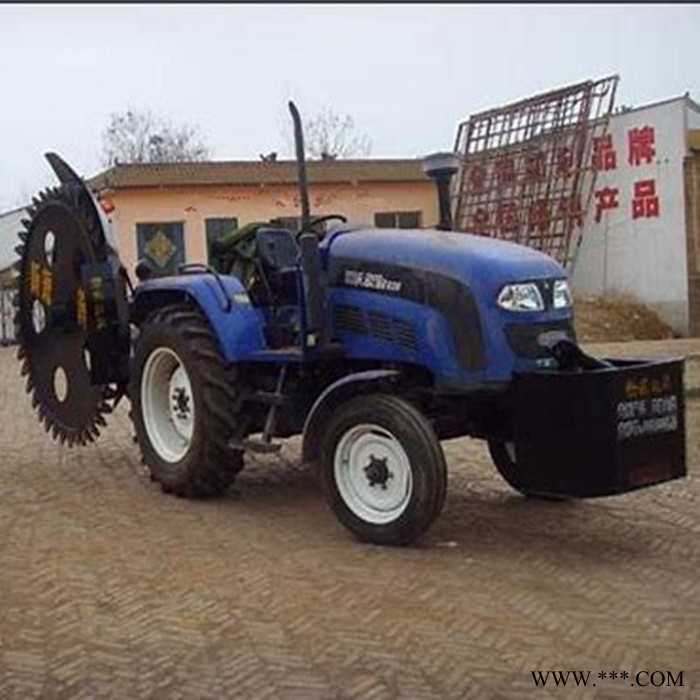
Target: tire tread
x=215 y=466
x=422 y=442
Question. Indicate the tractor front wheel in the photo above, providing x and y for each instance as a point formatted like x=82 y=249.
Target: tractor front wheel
x=383 y=470
x=183 y=403
x=504 y=458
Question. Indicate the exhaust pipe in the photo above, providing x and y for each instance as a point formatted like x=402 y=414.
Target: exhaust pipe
x=314 y=298
x=442 y=167
x=301 y=167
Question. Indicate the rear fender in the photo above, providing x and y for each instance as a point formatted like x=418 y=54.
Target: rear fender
x=332 y=396
x=238 y=326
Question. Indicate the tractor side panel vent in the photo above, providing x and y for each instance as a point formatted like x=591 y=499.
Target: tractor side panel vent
x=349 y=318
x=380 y=325
x=405 y=334
x=393 y=330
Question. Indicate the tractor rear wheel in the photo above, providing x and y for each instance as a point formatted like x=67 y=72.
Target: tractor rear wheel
x=383 y=469
x=183 y=404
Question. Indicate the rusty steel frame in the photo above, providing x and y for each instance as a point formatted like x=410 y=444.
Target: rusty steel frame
x=527 y=172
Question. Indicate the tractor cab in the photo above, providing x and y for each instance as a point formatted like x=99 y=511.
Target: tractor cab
x=265 y=258
x=281 y=273
x=277 y=267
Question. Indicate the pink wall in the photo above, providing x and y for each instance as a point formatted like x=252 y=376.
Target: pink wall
x=192 y=205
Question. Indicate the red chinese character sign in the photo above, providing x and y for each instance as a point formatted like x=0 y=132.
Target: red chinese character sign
x=480 y=220
x=604 y=155
x=645 y=203
x=535 y=165
x=625 y=193
x=565 y=162
x=641 y=148
x=477 y=178
x=526 y=170
x=539 y=217
x=507 y=218
x=571 y=209
x=504 y=169
x=606 y=199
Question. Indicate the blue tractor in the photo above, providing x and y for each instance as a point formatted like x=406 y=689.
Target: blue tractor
x=374 y=344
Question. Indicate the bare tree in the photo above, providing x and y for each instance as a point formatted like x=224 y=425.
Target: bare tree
x=329 y=136
x=143 y=137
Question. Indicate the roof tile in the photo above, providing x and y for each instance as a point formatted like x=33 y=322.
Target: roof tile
x=244 y=172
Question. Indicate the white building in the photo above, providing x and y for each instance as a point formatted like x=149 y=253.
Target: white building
x=639 y=240
x=10 y=225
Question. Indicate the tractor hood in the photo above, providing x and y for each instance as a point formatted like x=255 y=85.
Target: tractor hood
x=482 y=264
x=439 y=289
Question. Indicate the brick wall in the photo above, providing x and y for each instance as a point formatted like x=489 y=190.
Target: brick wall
x=691 y=169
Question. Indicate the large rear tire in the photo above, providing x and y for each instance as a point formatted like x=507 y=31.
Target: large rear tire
x=383 y=469
x=183 y=403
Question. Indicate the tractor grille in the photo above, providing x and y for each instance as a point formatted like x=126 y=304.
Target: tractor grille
x=375 y=323
x=524 y=339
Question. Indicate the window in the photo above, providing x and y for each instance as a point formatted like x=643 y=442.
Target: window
x=398 y=219
x=216 y=229
x=163 y=245
x=293 y=223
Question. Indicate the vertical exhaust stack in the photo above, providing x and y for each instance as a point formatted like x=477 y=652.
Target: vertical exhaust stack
x=442 y=167
x=314 y=298
x=301 y=167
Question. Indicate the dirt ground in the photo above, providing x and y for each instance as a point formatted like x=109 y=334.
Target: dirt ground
x=110 y=589
x=604 y=320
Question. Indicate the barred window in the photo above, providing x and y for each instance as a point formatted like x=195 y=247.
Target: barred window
x=398 y=219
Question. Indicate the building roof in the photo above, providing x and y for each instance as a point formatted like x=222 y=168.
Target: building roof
x=621 y=110
x=247 y=172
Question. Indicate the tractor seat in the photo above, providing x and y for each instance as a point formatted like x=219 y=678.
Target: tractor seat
x=277 y=248
x=278 y=254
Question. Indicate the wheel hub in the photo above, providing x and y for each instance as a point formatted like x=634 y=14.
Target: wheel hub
x=373 y=473
x=377 y=471
x=181 y=403
x=168 y=404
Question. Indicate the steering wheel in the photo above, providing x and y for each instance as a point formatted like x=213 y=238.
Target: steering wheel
x=327 y=217
x=320 y=219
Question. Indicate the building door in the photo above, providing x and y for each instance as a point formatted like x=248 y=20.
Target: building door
x=162 y=245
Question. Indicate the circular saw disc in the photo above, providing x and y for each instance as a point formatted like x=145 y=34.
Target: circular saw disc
x=52 y=317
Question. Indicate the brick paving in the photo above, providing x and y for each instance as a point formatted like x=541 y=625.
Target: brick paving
x=109 y=589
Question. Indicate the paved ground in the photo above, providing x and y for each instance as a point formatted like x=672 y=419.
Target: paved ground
x=109 y=589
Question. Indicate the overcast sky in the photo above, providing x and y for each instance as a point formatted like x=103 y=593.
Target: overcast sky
x=407 y=74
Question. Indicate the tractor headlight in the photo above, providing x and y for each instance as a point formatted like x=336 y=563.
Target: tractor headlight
x=561 y=295
x=520 y=297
